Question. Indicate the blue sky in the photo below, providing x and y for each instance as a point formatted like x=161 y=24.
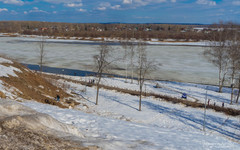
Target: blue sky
x=125 y=11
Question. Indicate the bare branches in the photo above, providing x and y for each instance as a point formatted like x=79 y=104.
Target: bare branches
x=129 y=52
x=102 y=60
x=144 y=67
x=42 y=52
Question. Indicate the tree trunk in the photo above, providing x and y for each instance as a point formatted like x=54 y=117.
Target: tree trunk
x=132 y=75
x=231 y=95
x=232 y=86
x=97 y=94
x=220 y=82
x=238 y=95
x=238 y=90
x=140 y=100
x=98 y=90
x=126 y=71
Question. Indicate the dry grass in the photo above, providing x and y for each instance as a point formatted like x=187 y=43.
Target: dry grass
x=228 y=111
x=2 y=95
x=33 y=86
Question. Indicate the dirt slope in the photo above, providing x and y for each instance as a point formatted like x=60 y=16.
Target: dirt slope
x=31 y=86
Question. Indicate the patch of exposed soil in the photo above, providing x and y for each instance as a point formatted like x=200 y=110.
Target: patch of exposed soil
x=32 y=86
x=24 y=128
x=23 y=138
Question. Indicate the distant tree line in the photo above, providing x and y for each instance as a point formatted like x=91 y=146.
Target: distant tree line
x=124 y=31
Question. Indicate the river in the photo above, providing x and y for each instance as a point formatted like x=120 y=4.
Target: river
x=178 y=63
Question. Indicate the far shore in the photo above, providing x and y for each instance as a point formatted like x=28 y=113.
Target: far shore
x=113 y=41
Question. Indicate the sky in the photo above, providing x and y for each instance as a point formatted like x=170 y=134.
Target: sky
x=124 y=11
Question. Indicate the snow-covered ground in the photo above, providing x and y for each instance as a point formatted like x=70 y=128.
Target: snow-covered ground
x=179 y=132
x=195 y=92
x=116 y=122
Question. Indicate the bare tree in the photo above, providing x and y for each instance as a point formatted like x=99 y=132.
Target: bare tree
x=144 y=66
x=124 y=45
x=234 y=60
x=41 y=52
x=217 y=54
x=234 y=55
x=129 y=52
x=102 y=62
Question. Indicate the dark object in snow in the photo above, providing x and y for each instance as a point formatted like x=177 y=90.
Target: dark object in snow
x=58 y=98
x=209 y=101
x=184 y=95
x=223 y=104
x=47 y=101
x=157 y=86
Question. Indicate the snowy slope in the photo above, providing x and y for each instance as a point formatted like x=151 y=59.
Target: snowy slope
x=173 y=89
x=160 y=125
x=116 y=134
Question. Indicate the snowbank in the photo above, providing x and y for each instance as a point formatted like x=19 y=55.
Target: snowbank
x=115 y=134
x=16 y=114
x=7 y=70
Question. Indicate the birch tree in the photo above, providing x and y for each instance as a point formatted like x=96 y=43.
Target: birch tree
x=217 y=54
x=102 y=62
x=41 y=53
x=129 y=52
x=144 y=67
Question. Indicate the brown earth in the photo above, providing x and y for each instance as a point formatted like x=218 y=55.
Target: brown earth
x=23 y=138
x=23 y=132
x=2 y=95
x=33 y=86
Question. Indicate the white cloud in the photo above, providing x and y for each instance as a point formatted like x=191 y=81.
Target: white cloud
x=13 y=12
x=137 y=3
x=54 y=12
x=173 y=1
x=74 y=5
x=15 y=2
x=37 y=10
x=25 y=12
x=82 y=10
x=206 y=2
x=102 y=8
x=117 y=7
x=3 y=9
x=127 y=1
x=105 y=5
x=63 y=1
x=236 y=3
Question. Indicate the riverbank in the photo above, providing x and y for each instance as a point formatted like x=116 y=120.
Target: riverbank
x=112 y=41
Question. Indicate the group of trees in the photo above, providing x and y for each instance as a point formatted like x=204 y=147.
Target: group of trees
x=116 y=30
x=224 y=53
x=105 y=59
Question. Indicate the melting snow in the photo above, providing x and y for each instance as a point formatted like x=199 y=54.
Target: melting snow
x=6 y=71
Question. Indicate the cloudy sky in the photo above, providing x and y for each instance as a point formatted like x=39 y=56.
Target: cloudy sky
x=125 y=11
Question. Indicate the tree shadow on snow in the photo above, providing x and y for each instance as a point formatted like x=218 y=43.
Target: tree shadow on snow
x=115 y=99
x=213 y=123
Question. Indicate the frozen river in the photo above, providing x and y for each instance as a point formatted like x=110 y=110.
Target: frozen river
x=178 y=63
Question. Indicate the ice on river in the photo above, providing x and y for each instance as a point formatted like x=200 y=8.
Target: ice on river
x=178 y=63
